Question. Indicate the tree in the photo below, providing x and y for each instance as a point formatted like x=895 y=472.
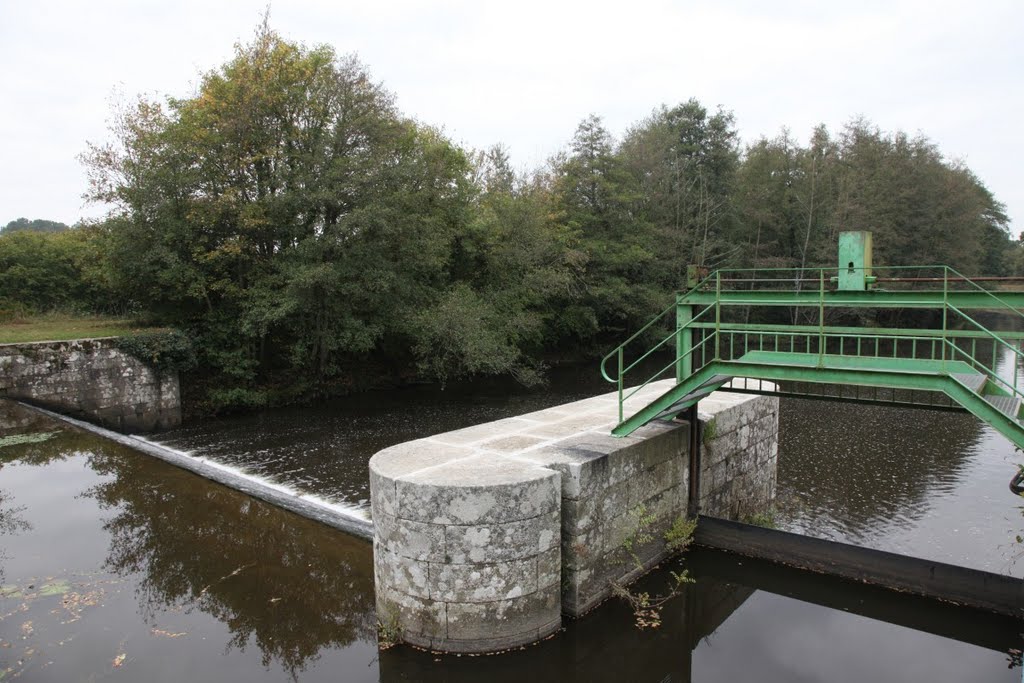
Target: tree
x=37 y=225
x=514 y=269
x=684 y=162
x=595 y=196
x=287 y=213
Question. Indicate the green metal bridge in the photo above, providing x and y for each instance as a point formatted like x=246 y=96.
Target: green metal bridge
x=952 y=359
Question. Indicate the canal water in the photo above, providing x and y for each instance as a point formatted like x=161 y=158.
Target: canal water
x=117 y=566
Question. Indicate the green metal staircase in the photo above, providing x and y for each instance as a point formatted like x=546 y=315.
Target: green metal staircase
x=955 y=367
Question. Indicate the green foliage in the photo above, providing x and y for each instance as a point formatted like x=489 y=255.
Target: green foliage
x=301 y=228
x=647 y=608
x=680 y=535
x=709 y=432
x=165 y=351
x=37 y=225
x=764 y=519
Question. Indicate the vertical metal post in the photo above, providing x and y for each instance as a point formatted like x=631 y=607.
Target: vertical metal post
x=684 y=342
x=693 y=504
x=821 y=317
x=945 y=310
x=620 y=383
x=718 y=314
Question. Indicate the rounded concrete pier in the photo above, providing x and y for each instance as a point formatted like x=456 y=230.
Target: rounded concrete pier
x=466 y=547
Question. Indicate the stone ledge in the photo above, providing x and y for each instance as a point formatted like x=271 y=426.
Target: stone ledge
x=503 y=526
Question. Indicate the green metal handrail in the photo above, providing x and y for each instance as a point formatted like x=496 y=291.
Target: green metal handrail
x=945 y=339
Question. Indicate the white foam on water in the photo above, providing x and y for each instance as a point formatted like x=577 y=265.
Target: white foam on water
x=331 y=512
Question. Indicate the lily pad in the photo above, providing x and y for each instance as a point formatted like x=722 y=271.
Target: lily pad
x=54 y=588
x=19 y=439
x=9 y=591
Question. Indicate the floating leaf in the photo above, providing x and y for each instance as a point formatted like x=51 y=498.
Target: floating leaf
x=19 y=439
x=54 y=588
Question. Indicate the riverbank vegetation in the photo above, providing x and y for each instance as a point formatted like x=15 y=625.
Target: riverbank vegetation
x=309 y=238
x=18 y=329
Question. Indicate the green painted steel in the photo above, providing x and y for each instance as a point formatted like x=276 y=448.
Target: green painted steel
x=870 y=299
x=955 y=364
x=854 y=262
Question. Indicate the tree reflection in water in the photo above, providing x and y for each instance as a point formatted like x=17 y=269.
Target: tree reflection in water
x=290 y=584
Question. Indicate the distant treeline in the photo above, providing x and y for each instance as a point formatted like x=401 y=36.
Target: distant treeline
x=307 y=234
x=38 y=225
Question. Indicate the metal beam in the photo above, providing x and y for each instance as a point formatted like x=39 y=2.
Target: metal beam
x=982 y=590
x=975 y=300
x=758 y=328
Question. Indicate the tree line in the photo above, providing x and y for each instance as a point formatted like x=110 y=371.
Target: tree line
x=308 y=235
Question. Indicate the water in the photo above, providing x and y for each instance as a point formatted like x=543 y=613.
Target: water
x=118 y=566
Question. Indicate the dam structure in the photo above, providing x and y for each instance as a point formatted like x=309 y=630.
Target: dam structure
x=486 y=536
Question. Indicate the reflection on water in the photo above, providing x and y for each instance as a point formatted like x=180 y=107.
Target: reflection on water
x=211 y=573
x=749 y=621
x=926 y=483
x=116 y=553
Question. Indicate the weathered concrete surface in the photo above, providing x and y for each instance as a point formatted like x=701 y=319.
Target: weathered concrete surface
x=484 y=536
x=92 y=379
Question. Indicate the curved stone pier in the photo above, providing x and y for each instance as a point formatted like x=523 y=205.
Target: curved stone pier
x=485 y=536
x=466 y=549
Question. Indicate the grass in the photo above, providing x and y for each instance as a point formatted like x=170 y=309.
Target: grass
x=62 y=326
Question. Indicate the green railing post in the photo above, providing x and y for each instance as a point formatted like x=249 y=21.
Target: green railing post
x=620 y=383
x=684 y=342
x=945 y=312
x=821 y=317
x=718 y=314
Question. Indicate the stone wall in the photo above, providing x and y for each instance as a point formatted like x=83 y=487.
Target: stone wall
x=484 y=536
x=92 y=379
x=739 y=456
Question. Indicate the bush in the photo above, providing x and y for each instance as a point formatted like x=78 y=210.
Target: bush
x=165 y=351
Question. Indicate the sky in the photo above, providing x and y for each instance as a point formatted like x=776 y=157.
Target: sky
x=524 y=74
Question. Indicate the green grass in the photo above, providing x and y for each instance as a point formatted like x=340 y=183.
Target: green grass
x=61 y=326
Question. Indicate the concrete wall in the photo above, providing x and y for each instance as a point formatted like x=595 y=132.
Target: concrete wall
x=739 y=456
x=485 y=535
x=92 y=379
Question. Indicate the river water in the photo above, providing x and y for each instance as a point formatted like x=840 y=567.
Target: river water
x=117 y=566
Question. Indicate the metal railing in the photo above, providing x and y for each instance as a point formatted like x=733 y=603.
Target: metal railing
x=700 y=341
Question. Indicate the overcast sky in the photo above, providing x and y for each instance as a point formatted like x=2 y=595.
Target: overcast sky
x=525 y=73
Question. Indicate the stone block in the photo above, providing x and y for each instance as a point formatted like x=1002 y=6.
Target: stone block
x=401 y=574
x=549 y=568
x=412 y=456
x=406 y=538
x=503 y=620
x=478 y=490
x=420 y=621
x=572 y=424
x=383 y=495
x=483 y=582
x=501 y=542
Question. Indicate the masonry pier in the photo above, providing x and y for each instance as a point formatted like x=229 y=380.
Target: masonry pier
x=486 y=536
x=91 y=379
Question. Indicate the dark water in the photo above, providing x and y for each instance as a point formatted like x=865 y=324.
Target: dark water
x=119 y=567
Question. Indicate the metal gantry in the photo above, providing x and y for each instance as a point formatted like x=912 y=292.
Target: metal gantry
x=712 y=341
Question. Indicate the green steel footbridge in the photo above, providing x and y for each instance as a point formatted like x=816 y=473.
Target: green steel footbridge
x=817 y=338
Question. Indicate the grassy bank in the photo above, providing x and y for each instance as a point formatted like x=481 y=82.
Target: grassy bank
x=62 y=326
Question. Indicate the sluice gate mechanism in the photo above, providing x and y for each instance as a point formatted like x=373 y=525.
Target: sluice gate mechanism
x=957 y=362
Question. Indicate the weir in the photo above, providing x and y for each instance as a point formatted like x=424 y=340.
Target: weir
x=484 y=537
x=93 y=379
x=466 y=547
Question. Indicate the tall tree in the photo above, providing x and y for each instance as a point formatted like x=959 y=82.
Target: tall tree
x=287 y=212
